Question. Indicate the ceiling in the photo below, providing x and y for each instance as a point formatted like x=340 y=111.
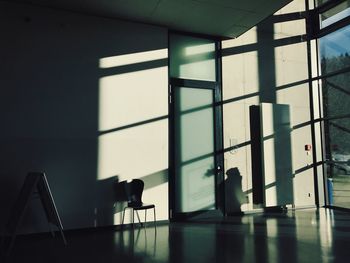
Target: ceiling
x=224 y=18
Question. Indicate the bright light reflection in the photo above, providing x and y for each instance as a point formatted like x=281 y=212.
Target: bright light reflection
x=272 y=227
x=127 y=59
x=326 y=226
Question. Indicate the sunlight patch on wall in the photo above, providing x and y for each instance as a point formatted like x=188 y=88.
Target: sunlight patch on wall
x=128 y=59
x=249 y=37
x=232 y=80
x=133 y=125
x=290 y=29
x=134 y=152
x=244 y=79
x=251 y=72
x=132 y=97
x=133 y=118
x=291 y=64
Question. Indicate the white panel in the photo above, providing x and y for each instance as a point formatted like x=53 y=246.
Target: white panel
x=276 y=154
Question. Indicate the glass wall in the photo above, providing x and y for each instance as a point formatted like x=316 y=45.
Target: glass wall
x=336 y=92
x=334 y=51
x=335 y=14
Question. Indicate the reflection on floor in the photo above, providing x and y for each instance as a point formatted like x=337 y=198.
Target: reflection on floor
x=341 y=190
x=301 y=236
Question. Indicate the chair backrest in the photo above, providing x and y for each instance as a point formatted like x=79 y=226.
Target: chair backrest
x=134 y=190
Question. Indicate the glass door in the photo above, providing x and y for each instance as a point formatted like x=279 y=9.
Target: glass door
x=194 y=149
x=196 y=158
x=334 y=49
x=195 y=128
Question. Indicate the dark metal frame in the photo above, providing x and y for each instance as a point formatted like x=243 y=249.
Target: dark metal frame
x=315 y=32
x=218 y=129
x=309 y=24
x=314 y=15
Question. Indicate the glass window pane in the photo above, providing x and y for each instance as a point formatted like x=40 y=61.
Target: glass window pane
x=335 y=14
x=336 y=94
x=192 y=58
x=338 y=168
x=335 y=50
x=194 y=156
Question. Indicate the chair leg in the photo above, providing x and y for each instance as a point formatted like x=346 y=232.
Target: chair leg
x=133 y=215
x=123 y=215
x=145 y=217
x=52 y=233
x=138 y=217
x=63 y=236
x=154 y=216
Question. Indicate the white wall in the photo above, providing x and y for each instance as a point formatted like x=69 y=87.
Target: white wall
x=78 y=104
x=269 y=64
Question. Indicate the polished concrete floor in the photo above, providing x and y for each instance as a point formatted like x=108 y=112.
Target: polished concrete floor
x=341 y=190
x=294 y=236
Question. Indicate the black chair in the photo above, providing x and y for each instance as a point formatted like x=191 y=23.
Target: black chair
x=134 y=190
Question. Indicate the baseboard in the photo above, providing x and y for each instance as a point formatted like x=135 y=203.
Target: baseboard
x=278 y=209
x=304 y=207
x=93 y=229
